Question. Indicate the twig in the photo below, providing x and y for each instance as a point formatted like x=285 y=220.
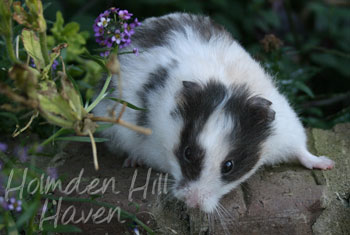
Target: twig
x=121 y=112
x=94 y=150
x=16 y=133
x=10 y=108
x=139 y=129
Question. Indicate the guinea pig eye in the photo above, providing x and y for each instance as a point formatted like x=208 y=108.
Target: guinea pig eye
x=187 y=153
x=227 y=167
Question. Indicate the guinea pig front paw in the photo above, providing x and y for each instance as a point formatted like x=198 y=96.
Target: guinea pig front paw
x=132 y=163
x=313 y=162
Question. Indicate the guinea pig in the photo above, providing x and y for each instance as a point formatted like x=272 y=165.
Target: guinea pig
x=216 y=115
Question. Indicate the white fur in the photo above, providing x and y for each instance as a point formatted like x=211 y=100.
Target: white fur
x=199 y=61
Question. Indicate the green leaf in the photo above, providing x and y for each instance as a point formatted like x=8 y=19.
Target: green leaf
x=304 y=88
x=127 y=104
x=29 y=212
x=32 y=46
x=53 y=137
x=81 y=139
x=58 y=25
x=75 y=85
x=102 y=127
x=71 y=29
x=61 y=228
x=100 y=96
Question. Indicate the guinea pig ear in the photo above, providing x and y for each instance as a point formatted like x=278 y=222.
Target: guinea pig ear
x=192 y=86
x=261 y=108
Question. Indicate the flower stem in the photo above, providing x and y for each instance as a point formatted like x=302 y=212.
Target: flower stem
x=43 y=46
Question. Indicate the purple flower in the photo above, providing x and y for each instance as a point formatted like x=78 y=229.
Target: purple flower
x=114 y=10
x=14 y=205
x=117 y=37
x=22 y=153
x=32 y=64
x=104 y=54
x=3 y=203
x=3 y=147
x=135 y=51
x=111 y=28
x=39 y=148
x=126 y=38
x=52 y=172
x=2 y=188
x=124 y=14
x=136 y=22
x=103 y=22
x=99 y=32
x=54 y=65
x=129 y=29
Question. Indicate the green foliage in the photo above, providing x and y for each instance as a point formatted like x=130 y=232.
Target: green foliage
x=69 y=34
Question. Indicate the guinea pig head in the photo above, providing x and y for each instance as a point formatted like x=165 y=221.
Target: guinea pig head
x=220 y=144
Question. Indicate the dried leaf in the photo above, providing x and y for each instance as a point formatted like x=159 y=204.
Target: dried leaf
x=26 y=79
x=20 y=15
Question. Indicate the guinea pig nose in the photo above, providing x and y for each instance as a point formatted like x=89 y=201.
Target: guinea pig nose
x=192 y=200
x=192 y=203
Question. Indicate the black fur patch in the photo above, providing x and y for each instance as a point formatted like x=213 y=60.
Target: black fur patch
x=156 y=80
x=253 y=117
x=156 y=32
x=204 y=25
x=196 y=104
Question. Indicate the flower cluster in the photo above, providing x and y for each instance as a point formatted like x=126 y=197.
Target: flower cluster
x=112 y=28
x=12 y=205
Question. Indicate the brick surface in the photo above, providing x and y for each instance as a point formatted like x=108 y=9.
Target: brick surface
x=287 y=199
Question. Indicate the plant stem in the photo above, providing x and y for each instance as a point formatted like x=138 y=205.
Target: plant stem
x=9 y=46
x=142 y=130
x=94 y=150
x=43 y=46
x=101 y=95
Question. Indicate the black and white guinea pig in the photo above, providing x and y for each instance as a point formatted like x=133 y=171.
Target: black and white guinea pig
x=216 y=115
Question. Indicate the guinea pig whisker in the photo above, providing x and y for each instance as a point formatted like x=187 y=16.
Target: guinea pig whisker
x=221 y=217
x=226 y=212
